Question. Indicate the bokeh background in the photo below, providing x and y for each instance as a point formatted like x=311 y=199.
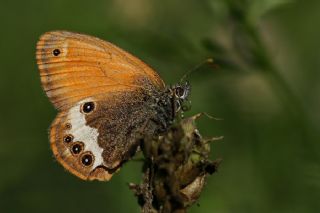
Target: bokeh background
x=264 y=84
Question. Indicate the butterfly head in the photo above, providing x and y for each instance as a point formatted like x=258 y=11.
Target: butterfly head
x=181 y=93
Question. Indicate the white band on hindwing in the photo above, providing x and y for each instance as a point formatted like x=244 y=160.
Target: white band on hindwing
x=83 y=133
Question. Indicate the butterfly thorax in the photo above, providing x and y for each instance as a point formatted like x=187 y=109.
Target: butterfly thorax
x=169 y=104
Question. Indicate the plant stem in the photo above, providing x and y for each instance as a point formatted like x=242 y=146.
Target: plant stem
x=175 y=169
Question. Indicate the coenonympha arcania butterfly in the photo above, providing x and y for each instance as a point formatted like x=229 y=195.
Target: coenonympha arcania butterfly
x=106 y=98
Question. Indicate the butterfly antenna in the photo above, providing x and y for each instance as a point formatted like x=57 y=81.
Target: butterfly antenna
x=195 y=68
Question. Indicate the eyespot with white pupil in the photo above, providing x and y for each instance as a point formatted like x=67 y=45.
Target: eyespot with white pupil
x=88 y=107
x=68 y=138
x=56 y=52
x=76 y=148
x=87 y=159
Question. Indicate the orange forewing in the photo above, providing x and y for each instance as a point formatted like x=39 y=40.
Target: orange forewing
x=87 y=66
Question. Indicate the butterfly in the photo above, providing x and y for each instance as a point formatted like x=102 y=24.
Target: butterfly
x=106 y=98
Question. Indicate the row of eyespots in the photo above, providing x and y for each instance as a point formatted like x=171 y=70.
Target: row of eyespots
x=76 y=148
x=87 y=159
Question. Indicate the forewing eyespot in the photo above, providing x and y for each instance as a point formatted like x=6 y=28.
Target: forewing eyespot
x=56 y=52
x=88 y=107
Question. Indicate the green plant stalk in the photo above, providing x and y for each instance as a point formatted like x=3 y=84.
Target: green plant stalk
x=260 y=59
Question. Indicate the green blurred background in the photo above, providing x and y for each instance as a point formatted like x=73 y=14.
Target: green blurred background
x=265 y=85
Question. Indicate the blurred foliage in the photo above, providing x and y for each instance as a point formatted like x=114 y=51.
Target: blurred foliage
x=265 y=86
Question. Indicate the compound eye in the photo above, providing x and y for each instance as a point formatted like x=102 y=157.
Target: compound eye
x=179 y=92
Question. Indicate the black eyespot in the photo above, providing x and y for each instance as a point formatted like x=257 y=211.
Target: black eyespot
x=88 y=107
x=76 y=148
x=56 y=52
x=87 y=159
x=68 y=138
